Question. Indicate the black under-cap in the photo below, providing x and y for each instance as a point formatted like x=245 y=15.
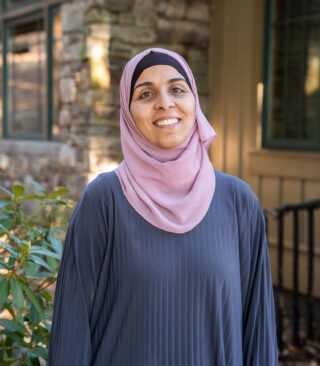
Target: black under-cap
x=152 y=59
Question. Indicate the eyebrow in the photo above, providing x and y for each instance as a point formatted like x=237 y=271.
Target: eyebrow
x=150 y=83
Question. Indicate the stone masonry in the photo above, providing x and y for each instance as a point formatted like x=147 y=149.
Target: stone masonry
x=99 y=37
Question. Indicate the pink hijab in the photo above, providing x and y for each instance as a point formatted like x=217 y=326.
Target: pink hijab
x=170 y=188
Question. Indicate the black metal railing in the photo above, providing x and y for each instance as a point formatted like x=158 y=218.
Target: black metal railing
x=278 y=214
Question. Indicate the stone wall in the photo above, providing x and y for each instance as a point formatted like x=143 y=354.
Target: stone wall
x=99 y=37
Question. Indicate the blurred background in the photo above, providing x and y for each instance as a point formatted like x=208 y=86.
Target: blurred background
x=257 y=68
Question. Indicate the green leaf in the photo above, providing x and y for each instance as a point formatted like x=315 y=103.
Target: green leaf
x=33 y=359
x=40 y=351
x=4 y=217
x=12 y=325
x=46 y=295
x=18 y=190
x=49 y=314
x=11 y=261
x=32 y=197
x=16 y=336
x=8 y=361
x=55 y=243
x=9 y=248
x=17 y=240
x=41 y=261
x=31 y=268
x=4 y=265
x=44 y=274
x=7 y=199
x=52 y=262
x=58 y=192
x=39 y=250
x=4 y=290
x=7 y=342
x=39 y=187
x=7 y=223
x=34 y=315
x=17 y=294
x=61 y=202
x=4 y=204
x=7 y=192
x=32 y=298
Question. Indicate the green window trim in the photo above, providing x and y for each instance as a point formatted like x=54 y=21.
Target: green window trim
x=52 y=11
x=304 y=141
x=47 y=123
x=23 y=19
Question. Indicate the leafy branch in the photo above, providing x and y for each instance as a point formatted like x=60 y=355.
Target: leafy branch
x=31 y=244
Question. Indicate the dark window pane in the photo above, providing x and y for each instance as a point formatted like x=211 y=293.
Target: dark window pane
x=294 y=90
x=26 y=60
x=56 y=54
x=294 y=116
x=313 y=7
x=298 y=8
x=277 y=111
x=281 y=10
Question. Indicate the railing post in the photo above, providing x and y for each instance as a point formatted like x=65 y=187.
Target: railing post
x=279 y=285
x=310 y=275
x=310 y=206
x=295 y=304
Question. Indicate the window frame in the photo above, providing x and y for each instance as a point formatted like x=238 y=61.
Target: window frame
x=267 y=140
x=16 y=15
x=17 y=6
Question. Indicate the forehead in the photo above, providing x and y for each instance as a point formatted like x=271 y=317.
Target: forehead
x=158 y=73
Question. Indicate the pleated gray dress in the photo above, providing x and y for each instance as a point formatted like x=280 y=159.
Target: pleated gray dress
x=130 y=294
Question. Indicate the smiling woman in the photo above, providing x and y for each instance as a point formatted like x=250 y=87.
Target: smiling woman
x=165 y=261
x=163 y=106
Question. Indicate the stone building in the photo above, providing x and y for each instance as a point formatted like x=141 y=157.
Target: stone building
x=256 y=64
x=60 y=95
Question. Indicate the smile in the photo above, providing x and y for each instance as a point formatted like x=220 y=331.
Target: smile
x=167 y=122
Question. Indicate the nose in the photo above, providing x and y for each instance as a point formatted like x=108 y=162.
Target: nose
x=164 y=101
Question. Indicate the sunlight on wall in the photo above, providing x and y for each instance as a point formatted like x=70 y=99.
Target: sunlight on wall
x=100 y=75
x=259 y=110
x=312 y=80
x=97 y=167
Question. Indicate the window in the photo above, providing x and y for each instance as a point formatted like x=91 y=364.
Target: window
x=291 y=105
x=9 y=4
x=31 y=55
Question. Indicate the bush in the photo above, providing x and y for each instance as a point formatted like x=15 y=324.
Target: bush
x=31 y=246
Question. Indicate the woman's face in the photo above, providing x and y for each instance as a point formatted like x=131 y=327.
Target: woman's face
x=163 y=106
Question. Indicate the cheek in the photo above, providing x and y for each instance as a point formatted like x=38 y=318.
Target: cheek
x=137 y=115
x=140 y=117
x=190 y=109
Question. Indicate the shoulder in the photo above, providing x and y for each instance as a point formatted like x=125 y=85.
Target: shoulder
x=101 y=185
x=98 y=194
x=237 y=192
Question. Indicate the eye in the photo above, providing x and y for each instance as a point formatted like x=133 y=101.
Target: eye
x=145 y=95
x=177 y=90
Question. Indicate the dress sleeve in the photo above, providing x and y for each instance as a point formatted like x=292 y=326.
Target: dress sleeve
x=78 y=275
x=259 y=330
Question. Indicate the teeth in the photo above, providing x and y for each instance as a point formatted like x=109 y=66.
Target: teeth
x=166 y=122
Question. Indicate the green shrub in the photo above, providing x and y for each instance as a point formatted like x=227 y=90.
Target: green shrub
x=30 y=250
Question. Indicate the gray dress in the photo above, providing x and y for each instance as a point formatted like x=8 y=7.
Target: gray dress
x=130 y=294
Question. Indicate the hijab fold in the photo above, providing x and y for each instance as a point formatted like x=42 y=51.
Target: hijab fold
x=170 y=188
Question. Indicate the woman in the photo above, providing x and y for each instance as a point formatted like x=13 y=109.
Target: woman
x=165 y=260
